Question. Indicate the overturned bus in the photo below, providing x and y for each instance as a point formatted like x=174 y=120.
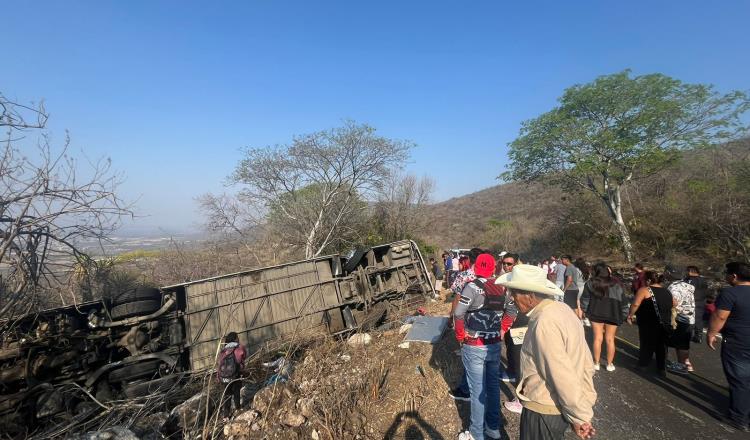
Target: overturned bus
x=141 y=341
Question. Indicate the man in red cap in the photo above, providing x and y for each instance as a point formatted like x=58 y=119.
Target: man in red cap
x=477 y=324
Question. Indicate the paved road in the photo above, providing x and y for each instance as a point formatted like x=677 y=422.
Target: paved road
x=633 y=404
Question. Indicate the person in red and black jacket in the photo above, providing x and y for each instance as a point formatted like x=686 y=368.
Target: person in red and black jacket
x=477 y=326
x=228 y=372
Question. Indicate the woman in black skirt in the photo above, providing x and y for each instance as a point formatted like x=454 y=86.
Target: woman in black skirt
x=603 y=302
x=652 y=321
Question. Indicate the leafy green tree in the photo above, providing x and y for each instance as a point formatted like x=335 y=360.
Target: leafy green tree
x=618 y=128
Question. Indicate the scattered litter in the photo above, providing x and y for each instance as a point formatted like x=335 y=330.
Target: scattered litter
x=360 y=339
x=420 y=370
x=278 y=362
x=345 y=357
x=404 y=328
x=421 y=312
x=427 y=329
x=282 y=370
x=403 y=345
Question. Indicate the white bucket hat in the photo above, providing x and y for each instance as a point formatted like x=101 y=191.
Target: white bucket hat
x=529 y=278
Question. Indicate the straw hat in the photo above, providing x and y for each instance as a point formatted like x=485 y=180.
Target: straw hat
x=529 y=278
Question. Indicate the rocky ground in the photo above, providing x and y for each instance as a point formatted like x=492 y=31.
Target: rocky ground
x=379 y=390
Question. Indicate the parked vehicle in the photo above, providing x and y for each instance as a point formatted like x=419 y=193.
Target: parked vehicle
x=142 y=340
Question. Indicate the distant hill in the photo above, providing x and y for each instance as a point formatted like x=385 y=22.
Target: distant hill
x=503 y=217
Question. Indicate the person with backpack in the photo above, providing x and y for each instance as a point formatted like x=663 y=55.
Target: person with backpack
x=228 y=369
x=478 y=315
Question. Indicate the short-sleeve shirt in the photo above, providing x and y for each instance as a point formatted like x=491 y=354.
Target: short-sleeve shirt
x=736 y=300
x=560 y=273
x=701 y=288
x=462 y=278
x=570 y=271
x=684 y=293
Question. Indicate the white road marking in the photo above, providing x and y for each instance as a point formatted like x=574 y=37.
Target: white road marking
x=686 y=414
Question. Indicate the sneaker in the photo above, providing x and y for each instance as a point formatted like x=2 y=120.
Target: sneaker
x=458 y=394
x=507 y=378
x=677 y=368
x=596 y=366
x=610 y=367
x=514 y=406
x=586 y=322
x=466 y=435
x=494 y=434
x=689 y=367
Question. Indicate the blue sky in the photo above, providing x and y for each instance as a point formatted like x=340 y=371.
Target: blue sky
x=172 y=91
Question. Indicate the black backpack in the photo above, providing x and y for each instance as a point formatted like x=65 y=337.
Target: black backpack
x=485 y=322
x=228 y=368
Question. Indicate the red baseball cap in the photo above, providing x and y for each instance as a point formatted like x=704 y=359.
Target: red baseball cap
x=484 y=266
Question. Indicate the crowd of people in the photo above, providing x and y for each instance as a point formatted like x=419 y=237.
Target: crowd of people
x=538 y=312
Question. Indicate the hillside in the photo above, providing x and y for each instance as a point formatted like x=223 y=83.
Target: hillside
x=693 y=211
x=500 y=216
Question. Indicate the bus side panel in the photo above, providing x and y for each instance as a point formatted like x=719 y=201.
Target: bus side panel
x=260 y=306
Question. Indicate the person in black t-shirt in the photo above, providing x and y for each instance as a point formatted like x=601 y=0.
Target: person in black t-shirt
x=732 y=319
x=695 y=279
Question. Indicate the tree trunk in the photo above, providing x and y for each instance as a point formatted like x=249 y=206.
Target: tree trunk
x=614 y=207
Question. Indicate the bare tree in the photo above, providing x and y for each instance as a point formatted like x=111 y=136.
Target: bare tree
x=400 y=210
x=313 y=191
x=49 y=205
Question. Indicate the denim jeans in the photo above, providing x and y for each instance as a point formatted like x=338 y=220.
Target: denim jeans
x=736 y=362
x=482 y=370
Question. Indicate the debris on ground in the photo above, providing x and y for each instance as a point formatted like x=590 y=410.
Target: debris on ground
x=427 y=329
x=113 y=433
x=362 y=391
x=360 y=339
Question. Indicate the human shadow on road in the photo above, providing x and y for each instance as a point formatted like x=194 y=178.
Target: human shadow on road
x=715 y=400
x=417 y=428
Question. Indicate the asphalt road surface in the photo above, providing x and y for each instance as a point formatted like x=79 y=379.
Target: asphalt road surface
x=634 y=404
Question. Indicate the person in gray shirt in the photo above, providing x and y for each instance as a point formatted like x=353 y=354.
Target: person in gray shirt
x=570 y=287
x=560 y=275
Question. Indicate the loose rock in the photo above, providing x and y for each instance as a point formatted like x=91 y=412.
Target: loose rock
x=360 y=339
x=305 y=406
x=294 y=420
x=113 y=433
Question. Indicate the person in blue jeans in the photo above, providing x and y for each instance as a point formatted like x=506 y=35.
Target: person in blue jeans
x=477 y=326
x=732 y=319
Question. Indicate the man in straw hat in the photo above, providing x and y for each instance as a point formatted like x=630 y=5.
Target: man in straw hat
x=556 y=387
